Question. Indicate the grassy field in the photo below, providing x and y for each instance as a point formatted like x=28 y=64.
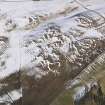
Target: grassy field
x=66 y=97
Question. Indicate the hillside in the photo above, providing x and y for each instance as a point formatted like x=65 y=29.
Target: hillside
x=49 y=49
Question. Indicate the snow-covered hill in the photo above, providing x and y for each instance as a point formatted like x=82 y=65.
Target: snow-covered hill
x=42 y=40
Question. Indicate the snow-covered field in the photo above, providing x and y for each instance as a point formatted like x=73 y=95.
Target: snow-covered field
x=21 y=20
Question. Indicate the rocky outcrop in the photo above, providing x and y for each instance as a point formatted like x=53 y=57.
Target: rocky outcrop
x=92 y=95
